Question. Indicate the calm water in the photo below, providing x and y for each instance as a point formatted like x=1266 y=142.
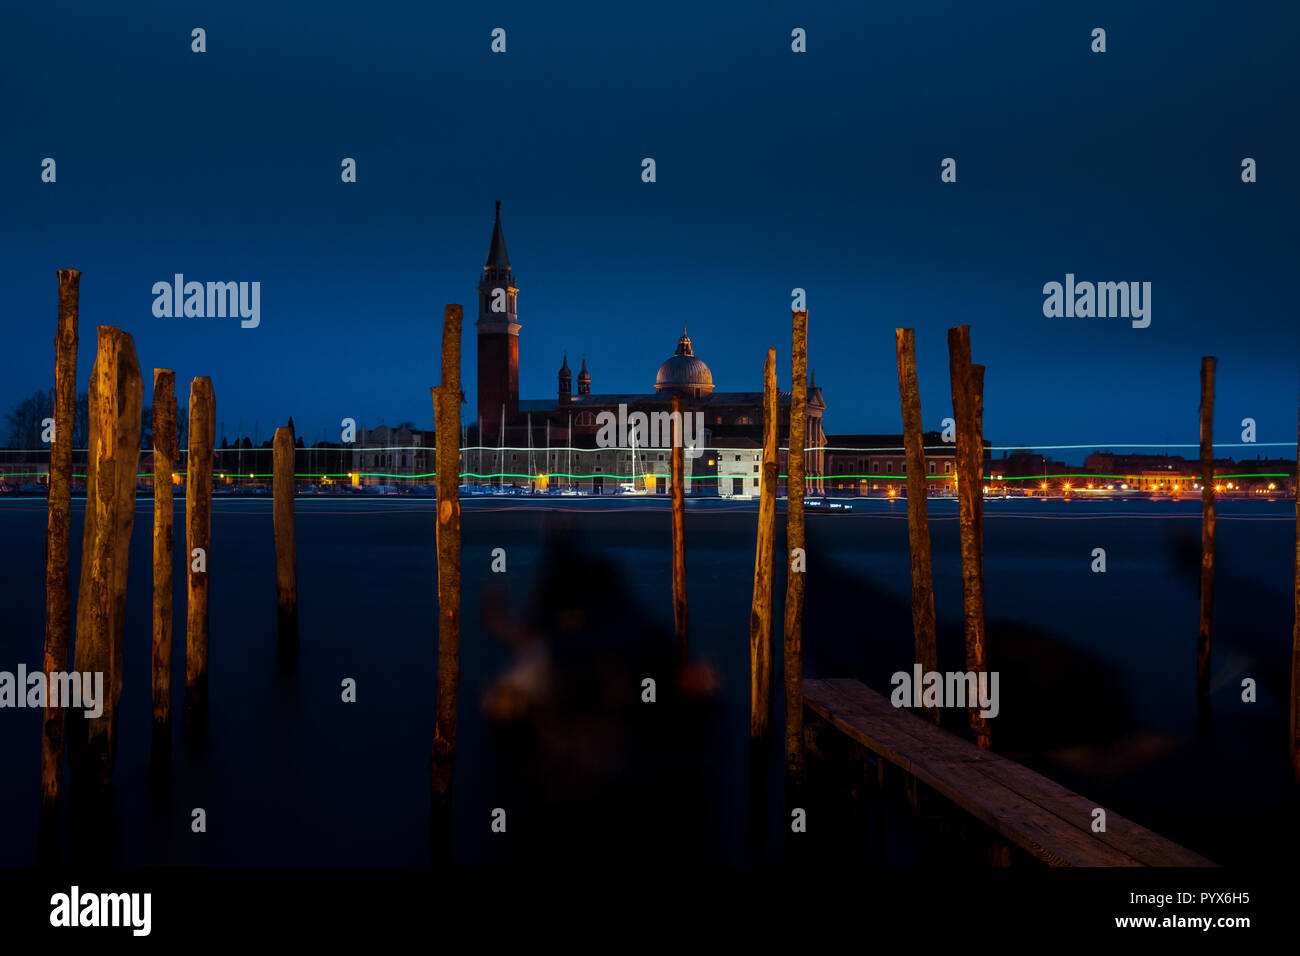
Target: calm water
x=1097 y=676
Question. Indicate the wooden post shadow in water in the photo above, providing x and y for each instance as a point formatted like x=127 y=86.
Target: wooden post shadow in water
x=759 y=842
x=440 y=812
x=91 y=830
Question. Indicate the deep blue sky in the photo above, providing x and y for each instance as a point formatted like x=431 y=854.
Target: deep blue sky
x=775 y=170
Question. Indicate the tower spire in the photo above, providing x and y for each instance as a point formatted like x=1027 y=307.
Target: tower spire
x=497 y=257
x=498 y=333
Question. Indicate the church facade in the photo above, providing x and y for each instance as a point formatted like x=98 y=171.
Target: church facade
x=557 y=442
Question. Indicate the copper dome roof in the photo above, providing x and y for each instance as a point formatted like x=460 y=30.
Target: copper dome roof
x=684 y=372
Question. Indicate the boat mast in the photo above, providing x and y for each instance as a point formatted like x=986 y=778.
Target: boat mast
x=634 y=459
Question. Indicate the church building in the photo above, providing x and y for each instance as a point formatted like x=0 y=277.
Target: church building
x=552 y=442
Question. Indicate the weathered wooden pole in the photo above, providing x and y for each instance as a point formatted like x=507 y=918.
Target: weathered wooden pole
x=116 y=395
x=760 y=614
x=286 y=566
x=792 y=651
x=1295 y=630
x=918 y=522
x=164 y=542
x=970 y=455
x=1207 y=546
x=680 y=617
x=198 y=540
x=58 y=533
x=977 y=442
x=447 y=401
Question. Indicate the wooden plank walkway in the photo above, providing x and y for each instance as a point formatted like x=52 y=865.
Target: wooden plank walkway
x=1036 y=814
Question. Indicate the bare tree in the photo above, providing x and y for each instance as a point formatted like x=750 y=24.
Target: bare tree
x=24 y=422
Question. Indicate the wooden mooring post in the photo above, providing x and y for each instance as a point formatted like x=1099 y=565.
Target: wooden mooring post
x=116 y=394
x=918 y=522
x=198 y=541
x=286 y=566
x=58 y=534
x=977 y=439
x=164 y=544
x=970 y=458
x=1295 y=629
x=1203 y=716
x=796 y=560
x=760 y=614
x=447 y=401
x=681 y=619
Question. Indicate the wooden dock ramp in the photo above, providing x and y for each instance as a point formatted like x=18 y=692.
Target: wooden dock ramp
x=1026 y=809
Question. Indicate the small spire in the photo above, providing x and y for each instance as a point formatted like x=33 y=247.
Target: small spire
x=684 y=344
x=497 y=257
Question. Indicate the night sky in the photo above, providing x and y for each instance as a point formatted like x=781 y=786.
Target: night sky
x=775 y=170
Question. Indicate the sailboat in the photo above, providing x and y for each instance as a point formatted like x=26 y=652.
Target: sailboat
x=569 y=490
x=501 y=453
x=631 y=489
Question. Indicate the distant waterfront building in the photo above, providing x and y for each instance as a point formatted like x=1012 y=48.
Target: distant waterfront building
x=509 y=439
x=387 y=455
x=873 y=465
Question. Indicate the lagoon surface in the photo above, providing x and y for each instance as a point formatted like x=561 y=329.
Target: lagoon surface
x=1097 y=676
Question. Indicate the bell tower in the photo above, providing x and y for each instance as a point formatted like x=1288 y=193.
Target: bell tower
x=498 y=335
x=566 y=382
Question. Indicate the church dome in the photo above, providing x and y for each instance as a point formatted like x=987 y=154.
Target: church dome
x=684 y=372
